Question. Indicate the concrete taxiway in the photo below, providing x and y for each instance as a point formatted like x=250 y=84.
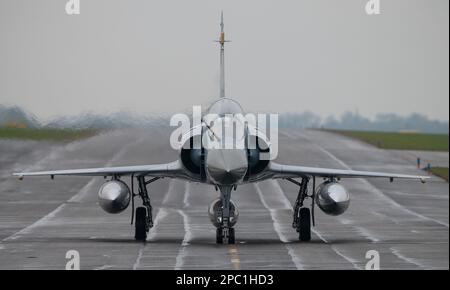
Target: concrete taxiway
x=42 y=219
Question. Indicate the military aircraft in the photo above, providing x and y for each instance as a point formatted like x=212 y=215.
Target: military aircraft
x=224 y=168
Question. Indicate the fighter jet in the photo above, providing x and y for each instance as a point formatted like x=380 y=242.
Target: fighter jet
x=206 y=158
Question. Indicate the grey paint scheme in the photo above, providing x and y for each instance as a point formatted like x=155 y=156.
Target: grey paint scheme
x=175 y=169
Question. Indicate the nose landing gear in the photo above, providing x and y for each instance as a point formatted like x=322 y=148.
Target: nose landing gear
x=225 y=235
x=225 y=231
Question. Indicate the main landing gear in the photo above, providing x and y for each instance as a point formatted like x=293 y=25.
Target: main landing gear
x=302 y=219
x=302 y=215
x=144 y=219
x=225 y=231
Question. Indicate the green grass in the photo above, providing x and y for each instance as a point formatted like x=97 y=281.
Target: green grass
x=45 y=134
x=440 y=171
x=402 y=141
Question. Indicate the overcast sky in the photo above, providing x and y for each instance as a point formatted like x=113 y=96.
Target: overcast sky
x=325 y=56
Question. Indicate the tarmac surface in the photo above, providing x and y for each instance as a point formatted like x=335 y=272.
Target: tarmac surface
x=41 y=219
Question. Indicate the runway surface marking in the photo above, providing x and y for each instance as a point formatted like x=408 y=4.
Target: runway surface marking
x=380 y=193
x=370 y=187
x=77 y=197
x=186 y=203
x=406 y=259
x=277 y=225
x=182 y=236
x=235 y=260
x=187 y=237
x=187 y=229
x=161 y=214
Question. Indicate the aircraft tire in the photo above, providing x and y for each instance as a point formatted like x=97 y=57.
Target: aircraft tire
x=304 y=226
x=140 y=227
x=231 y=239
x=219 y=235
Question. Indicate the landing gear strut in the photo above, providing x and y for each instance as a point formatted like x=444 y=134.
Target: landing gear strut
x=302 y=215
x=225 y=235
x=144 y=218
x=225 y=232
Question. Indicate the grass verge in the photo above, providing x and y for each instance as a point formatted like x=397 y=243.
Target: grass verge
x=45 y=134
x=402 y=141
x=440 y=171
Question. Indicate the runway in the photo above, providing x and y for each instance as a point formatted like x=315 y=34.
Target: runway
x=42 y=219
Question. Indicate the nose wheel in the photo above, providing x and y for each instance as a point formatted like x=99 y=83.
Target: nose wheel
x=225 y=232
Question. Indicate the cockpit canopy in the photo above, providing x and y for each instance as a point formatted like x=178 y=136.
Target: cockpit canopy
x=225 y=106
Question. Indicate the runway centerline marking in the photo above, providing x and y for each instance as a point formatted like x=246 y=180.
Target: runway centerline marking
x=235 y=260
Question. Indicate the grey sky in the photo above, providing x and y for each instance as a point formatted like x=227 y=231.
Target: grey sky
x=159 y=56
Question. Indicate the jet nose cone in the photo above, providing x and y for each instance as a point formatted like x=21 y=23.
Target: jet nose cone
x=226 y=166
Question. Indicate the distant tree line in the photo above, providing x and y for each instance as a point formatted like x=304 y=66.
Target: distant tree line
x=352 y=121
x=17 y=117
